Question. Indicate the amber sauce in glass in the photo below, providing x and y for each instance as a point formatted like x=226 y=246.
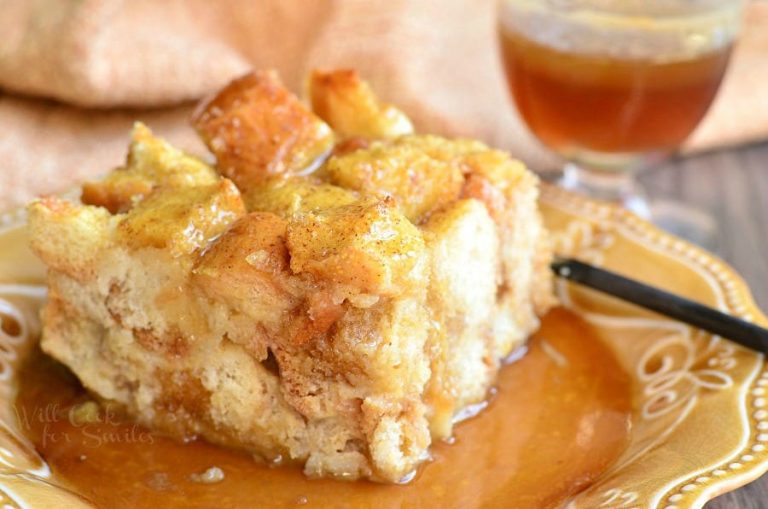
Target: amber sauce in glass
x=609 y=104
x=551 y=429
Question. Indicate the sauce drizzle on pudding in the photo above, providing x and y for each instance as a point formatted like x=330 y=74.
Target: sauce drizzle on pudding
x=556 y=423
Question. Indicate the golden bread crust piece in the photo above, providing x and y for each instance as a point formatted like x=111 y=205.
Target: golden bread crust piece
x=403 y=170
x=151 y=162
x=368 y=246
x=350 y=107
x=257 y=129
x=67 y=237
x=342 y=320
x=181 y=219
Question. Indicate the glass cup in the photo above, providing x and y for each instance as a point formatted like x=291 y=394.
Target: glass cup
x=615 y=86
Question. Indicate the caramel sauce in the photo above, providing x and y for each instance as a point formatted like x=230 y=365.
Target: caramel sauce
x=559 y=419
x=609 y=104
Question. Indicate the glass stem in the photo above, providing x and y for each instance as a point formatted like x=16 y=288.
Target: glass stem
x=613 y=186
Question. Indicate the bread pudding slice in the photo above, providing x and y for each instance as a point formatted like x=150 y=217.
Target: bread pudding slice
x=339 y=309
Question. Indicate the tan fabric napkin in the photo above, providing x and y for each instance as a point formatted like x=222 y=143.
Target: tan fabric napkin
x=77 y=73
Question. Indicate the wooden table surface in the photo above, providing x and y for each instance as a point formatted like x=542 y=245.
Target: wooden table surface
x=732 y=186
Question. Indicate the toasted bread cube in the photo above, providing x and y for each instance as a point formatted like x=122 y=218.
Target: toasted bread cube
x=245 y=268
x=181 y=219
x=419 y=183
x=350 y=107
x=289 y=196
x=367 y=245
x=66 y=236
x=258 y=129
x=151 y=162
x=504 y=173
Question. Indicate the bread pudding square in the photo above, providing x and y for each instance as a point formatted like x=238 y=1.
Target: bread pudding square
x=336 y=308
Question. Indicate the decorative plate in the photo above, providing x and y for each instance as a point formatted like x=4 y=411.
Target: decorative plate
x=699 y=423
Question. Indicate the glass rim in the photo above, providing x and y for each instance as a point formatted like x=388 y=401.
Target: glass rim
x=636 y=13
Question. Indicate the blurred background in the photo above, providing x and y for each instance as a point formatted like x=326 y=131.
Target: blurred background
x=75 y=74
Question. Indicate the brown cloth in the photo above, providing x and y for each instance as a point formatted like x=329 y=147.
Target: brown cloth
x=102 y=64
